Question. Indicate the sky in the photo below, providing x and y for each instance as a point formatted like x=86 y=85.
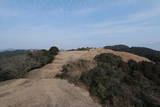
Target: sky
x=37 y=24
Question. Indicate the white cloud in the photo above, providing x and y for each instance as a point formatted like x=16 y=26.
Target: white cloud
x=139 y=17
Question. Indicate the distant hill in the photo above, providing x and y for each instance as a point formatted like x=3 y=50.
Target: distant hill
x=151 y=54
x=155 y=45
x=13 y=52
x=9 y=49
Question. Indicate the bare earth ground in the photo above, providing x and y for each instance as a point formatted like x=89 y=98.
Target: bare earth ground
x=41 y=89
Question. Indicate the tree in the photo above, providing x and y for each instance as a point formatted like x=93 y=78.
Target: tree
x=53 y=50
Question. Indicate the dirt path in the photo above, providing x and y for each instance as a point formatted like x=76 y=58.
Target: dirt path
x=50 y=70
x=41 y=89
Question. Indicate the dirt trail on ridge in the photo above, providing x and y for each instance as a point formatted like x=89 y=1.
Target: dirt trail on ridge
x=40 y=88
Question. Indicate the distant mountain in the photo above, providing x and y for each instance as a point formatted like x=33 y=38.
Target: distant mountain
x=151 y=54
x=153 y=45
x=12 y=52
x=10 y=49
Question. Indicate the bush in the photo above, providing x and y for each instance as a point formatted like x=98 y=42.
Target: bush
x=108 y=59
x=74 y=69
x=17 y=66
x=53 y=50
x=117 y=88
x=103 y=79
x=82 y=49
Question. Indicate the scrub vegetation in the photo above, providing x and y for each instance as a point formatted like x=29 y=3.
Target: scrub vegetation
x=120 y=84
x=16 y=64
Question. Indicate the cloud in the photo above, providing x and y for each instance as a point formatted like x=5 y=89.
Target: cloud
x=139 y=17
x=134 y=23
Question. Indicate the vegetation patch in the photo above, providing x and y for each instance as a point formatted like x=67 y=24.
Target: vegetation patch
x=73 y=70
x=82 y=49
x=16 y=66
x=120 y=84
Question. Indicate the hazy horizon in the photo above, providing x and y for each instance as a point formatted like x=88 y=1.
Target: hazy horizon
x=40 y=24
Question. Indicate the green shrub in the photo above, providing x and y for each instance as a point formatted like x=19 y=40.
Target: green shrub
x=17 y=66
x=116 y=87
x=53 y=50
x=108 y=59
x=81 y=49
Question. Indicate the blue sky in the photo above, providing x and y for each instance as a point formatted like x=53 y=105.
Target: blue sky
x=76 y=23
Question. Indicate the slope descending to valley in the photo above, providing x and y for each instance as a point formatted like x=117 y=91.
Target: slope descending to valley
x=40 y=88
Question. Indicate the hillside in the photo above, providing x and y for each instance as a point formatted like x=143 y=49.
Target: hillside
x=40 y=88
x=114 y=81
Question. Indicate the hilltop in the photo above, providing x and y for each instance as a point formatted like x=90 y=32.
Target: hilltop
x=39 y=87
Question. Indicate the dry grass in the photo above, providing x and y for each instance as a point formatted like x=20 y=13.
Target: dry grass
x=124 y=55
